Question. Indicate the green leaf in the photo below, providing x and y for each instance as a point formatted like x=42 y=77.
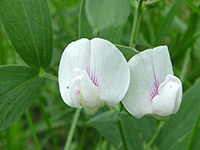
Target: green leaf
x=28 y=25
x=18 y=88
x=131 y=133
x=85 y=30
x=193 y=6
x=167 y=22
x=112 y=34
x=128 y=52
x=147 y=126
x=177 y=129
x=107 y=124
x=102 y=14
x=188 y=37
x=108 y=116
x=110 y=131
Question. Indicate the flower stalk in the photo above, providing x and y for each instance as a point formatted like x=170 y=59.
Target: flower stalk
x=121 y=129
x=72 y=129
x=136 y=23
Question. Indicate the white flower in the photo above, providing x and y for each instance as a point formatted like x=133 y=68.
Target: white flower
x=93 y=73
x=153 y=87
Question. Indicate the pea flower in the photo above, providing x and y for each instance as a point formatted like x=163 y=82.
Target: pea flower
x=153 y=87
x=93 y=73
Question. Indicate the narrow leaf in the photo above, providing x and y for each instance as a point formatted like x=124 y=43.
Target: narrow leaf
x=167 y=22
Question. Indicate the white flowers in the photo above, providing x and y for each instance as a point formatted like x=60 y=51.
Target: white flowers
x=153 y=87
x=93 y=73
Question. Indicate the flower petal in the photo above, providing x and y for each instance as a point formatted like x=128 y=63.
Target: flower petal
x=89 y=91
x=109 y=71
x=148 y=69
x=169 y=98
x=75 y=55
x=75 y=92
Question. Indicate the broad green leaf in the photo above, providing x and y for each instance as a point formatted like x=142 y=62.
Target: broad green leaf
x=195 y=143
x=108 y=116
x=110 y=131
x=167 y=22
x=179 y=126
x=132 y=136
x=108 y=126
x=128 y=52
x=18 y=88
x=147 y=126
x=103 y=14
x=85 y=30
x=112 y=34
x=28 y=25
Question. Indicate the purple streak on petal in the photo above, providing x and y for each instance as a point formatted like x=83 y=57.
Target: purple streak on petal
x=155 y=86
x=92 y=72
x=78 y=92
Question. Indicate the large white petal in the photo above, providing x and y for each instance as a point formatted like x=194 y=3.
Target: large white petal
x=169 y=98
x=109 y=71
x=75 y=55
x=148 y=70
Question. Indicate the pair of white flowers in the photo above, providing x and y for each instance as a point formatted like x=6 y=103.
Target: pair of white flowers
x=94 y=73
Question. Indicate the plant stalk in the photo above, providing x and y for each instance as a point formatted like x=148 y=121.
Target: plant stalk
x=41 y=106
x=121 y=129
x=155 y=134
x=72 y=129
x=136 y=23
x=34 y=134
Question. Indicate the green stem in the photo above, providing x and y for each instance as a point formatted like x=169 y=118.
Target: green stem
x=83 y=137
x=50 y=77
x=194 y=131
x=41 y=105
x=34 y=134
x=136 y=23
x=72 y=129
x=155 y=134
x=121 y=130
x=3 y=50
x=8 y=139
x=185 y=65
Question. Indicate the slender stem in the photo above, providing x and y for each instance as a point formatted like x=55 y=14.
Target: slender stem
x=121 y=130
x=3 y=50
x=72 y=129
x=185 y=65
x=155 y=134
x=50 y=77
x=8 y=139
x=136 y=23
x=194 y=131
x=41 y=105
x=83 y=137
x=34 y=134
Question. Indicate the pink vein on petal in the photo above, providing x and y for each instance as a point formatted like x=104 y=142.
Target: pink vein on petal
x=92 y=72
x=155 y=86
